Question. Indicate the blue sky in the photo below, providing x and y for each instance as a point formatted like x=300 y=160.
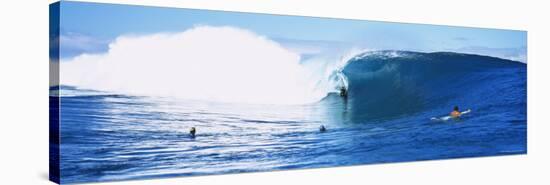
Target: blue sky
x=90 y=27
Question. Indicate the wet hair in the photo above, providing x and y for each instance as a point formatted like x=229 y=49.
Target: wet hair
x=456 y=108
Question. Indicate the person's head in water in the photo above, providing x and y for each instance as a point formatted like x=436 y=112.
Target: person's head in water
x=192 y=131
x=322 y=128
x=456 y=108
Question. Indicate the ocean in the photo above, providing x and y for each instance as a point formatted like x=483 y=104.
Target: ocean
x=386 y=117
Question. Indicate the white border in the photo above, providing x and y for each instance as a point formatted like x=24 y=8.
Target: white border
x=24 y=82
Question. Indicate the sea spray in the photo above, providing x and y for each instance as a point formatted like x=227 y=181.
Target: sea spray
x=224 y=64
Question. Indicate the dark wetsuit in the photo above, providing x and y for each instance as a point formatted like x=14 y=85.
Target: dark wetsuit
x=343 y=92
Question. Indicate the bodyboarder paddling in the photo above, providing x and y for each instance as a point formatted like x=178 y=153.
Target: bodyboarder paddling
x=455 y=113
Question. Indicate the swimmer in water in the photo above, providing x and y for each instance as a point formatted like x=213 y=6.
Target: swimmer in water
x=322 y=128
x=192 y=131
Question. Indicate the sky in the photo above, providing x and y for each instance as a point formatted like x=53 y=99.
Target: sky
x=91 y=27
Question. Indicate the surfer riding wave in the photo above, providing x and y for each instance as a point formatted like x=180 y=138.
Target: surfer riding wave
x=389 y=84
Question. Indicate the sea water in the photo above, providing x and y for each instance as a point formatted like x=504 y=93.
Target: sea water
x=386 y=118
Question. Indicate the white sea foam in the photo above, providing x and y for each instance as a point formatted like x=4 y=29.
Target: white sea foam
x=224 y=64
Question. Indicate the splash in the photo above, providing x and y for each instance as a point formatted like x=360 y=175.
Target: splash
x=224 y=64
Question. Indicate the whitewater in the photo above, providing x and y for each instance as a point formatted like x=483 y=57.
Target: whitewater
x=223 y=64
